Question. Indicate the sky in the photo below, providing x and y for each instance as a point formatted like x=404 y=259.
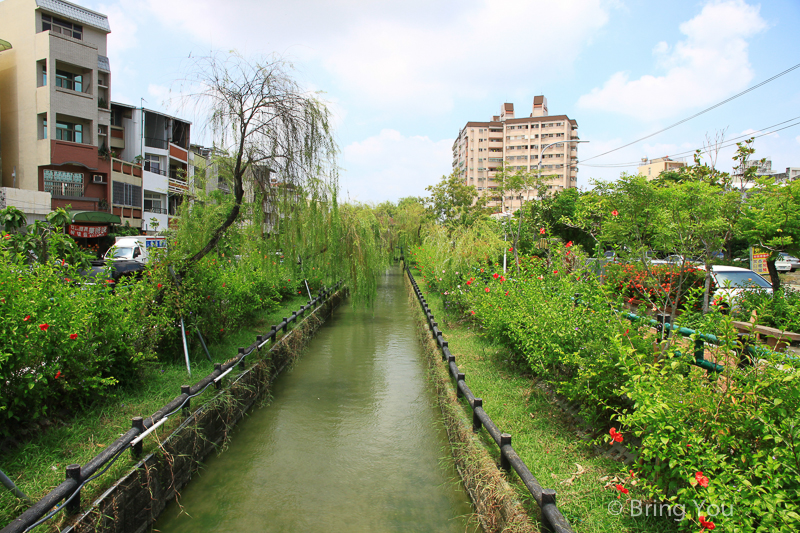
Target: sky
x=402 y=78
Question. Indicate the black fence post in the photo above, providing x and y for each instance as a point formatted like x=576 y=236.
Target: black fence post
x=74 y=505
x=476 y=420
x=285 y=324
x=187 y=390
x=241 y=361
x=505 y=438
x=137 y=422
x=548 y=497
x=459 y=377
x=218 y=384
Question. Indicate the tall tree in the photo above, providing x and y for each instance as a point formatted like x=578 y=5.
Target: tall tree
x=771 y=219
x=260 y=117
x=453 y=203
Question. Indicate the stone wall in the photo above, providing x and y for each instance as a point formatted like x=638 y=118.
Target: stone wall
x=134 y=502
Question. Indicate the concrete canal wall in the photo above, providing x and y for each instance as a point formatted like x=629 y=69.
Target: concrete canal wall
x=134 y=502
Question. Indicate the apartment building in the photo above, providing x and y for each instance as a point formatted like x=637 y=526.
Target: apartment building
x=482 y=148
x=160 y=143
x=55 y=84
x=652 y=168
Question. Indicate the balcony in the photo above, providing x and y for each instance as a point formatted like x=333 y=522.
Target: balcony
x=155 y=142
x=155 y=168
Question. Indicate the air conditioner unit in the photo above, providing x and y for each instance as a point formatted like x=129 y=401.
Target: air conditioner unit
x=98 y=178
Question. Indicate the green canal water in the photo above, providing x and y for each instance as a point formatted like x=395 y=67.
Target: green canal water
x=352 y=441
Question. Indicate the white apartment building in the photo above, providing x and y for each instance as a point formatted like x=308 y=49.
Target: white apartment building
x=54 y=92
x=161 y=144
x=483 y=147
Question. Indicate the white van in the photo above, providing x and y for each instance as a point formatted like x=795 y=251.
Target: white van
x=135 y=248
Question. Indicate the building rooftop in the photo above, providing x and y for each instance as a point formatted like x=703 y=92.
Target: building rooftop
x=75 y=12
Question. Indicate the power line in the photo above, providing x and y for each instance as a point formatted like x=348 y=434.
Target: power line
x=776 y=76
x=731 y=142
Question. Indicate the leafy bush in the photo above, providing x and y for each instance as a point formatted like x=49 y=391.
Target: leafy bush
x=781 y=310
x=66 y=343
x=725 y=447
x=653 y=283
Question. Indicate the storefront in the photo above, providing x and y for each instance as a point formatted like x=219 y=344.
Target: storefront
x=90 y=229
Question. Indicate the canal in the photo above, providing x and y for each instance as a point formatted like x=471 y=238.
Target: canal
x=351 y=441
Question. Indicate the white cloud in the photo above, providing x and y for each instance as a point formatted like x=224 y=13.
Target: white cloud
x=710 y=64
x=412 y=54
x=391 y=165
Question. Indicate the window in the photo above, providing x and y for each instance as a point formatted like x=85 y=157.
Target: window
x=152 y=163
x=57 y=25
x=127 y=194
x=68 y=80
x=67 y=131
x=42 y=125
x=152 y=202
x=60 y=183
x=41 y=66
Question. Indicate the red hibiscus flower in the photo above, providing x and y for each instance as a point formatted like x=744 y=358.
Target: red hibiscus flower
x=708 y=524
x=569 y=244
x=73 y=336
x=502 y=279
x=511 y=249
x=58 y=374
x=701 y=479
x=541 y=231
x=469 y=282
x=473 y=312
x=487 y=289
x=159 y=285
x=615 y=435
x=26 y=318
x=622 y=489
x=555 y=271
x=614 y=213
x=495 y=275
x=44 y=327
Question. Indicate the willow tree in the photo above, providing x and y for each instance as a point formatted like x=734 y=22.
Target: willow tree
x=260 y=118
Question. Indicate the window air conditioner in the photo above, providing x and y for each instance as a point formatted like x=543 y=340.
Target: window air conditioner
x=98 y=178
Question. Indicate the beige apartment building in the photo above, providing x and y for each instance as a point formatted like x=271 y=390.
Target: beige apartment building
x=482 y=148
x=54 y=94
x=651 y=168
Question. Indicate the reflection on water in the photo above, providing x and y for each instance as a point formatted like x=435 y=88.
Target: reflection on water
x=352 y=441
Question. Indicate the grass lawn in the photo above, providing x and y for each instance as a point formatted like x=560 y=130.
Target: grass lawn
x=37 y=466
x=543 y=437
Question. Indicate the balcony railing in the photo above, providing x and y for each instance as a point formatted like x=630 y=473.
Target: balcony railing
x=156 y=143
x=156 y=210
x=156 y=169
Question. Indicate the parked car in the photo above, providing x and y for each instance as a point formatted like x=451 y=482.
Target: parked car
x=732 y=282
x=794 y=263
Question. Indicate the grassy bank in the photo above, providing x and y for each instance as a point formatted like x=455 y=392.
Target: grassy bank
x=37 y=465
x=543 y=437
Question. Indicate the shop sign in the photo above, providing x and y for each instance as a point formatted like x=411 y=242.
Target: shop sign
x=88 y=232
x=758 y=260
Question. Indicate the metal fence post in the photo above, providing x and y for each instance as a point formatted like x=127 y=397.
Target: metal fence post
x=74 y=505
x=137 y=422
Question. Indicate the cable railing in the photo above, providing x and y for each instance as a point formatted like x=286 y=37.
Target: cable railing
x=552 y=518
x=78 y=476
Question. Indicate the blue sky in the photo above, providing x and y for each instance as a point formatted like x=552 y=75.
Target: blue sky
x=402 y=78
